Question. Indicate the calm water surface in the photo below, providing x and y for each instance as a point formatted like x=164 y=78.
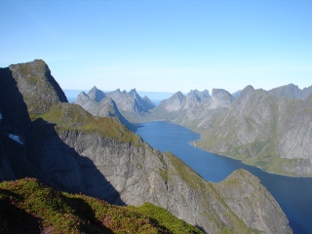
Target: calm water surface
x=293 y=194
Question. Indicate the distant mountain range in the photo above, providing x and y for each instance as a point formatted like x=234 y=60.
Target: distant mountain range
x=128 y=106
x=269 y=129
x=64 y=146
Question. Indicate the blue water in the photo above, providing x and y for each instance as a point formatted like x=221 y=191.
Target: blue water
x=293 y=194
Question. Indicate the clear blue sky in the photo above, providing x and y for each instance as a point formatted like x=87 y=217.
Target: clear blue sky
x=162 y=45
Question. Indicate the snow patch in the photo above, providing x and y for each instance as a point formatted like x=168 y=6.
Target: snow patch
x=16 y=138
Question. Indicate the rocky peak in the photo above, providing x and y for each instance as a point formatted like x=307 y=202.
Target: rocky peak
x=205 y=93
x=174 y=103
x=244 y=95
x=82 y=95
x=37 y=86
x=96 y=94
x=195 y=97
x=220 y=98
x=133 y=93
x=291 y=91
x=145 y=102
x=199 y=95
x=249 y=101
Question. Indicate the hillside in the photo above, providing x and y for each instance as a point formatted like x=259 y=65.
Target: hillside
x=66 y=147
x=27 y=206
x=271 y=130
x=268 y=129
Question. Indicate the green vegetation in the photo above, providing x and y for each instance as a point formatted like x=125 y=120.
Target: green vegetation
x=28 y=206
x=70 y=117
x=186 y=173
x=166 y=219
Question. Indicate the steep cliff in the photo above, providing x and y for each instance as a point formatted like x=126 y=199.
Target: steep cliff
x=72 y=150
x=271 y=130
x=105 y=160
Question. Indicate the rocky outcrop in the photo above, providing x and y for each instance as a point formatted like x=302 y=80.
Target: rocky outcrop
x=71 y=149
x=230 y=191
x=37 y=85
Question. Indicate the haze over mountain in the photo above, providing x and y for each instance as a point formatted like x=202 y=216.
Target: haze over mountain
x=128 y=106
x=269 y=129
x=68 y=148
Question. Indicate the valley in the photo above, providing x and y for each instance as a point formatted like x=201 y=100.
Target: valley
x=72 y=150
x=268 y=129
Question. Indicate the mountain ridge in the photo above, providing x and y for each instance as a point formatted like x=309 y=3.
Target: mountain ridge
x=78 y=152
x=254 y=124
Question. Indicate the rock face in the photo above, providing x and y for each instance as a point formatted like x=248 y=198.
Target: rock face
x=71 y=149
x=128 y=106
x=96 y=94
x=105 y=107
x=268 y=129
x=230 y=191
x=181 y=102
x=39 y=88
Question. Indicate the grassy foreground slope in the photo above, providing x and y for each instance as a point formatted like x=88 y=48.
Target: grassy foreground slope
x=28 y=206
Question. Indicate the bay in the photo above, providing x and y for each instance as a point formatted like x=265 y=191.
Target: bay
x=294 y=195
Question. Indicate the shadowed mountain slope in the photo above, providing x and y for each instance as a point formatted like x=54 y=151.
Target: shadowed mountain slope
x=72 y=150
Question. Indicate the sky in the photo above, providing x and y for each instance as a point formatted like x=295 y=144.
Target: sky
x=162 y=45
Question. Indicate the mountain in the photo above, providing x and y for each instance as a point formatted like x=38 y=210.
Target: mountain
x=220 y=98
x=105 y=107
x=268 y=129
x=68 y=148
x=128 y=106
x=96 y=94
x=144 y=102
x=236 y=94
x=131 y=102
x=291 y=91
x=192 y=110
x=28 y=206
x=179 y=101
